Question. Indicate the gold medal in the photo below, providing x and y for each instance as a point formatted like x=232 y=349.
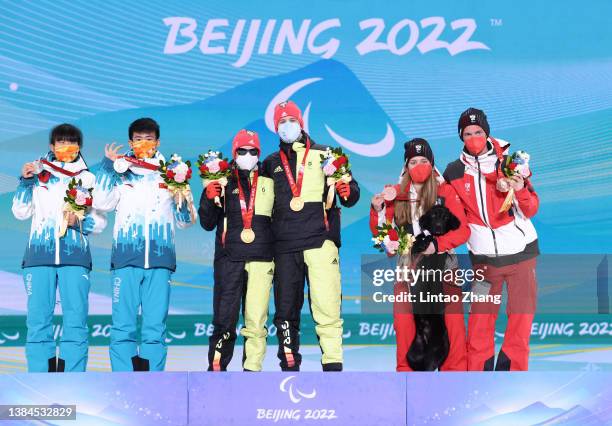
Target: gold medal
x=296 y=204
x=247 y=235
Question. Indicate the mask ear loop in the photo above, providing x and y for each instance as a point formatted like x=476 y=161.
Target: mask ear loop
x=401 y=176
x=439 y=178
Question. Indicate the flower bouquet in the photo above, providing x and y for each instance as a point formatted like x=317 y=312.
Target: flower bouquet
x=176 y=174
x=336 y=168
x=515 y=164
x=214 y=168
x=78 y=200
x=393 y=240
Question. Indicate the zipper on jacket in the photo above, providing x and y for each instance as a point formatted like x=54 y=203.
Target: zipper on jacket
x=57 y=247
x=146 y=237
x=519 y=228
x=56 y=236
x=482 y=208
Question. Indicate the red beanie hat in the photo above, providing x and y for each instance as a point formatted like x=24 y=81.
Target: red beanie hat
x=287 y=109
x=245 y=138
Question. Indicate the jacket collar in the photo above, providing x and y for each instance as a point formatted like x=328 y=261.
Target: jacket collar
x=296 y=146
x=76 y=166
x=487 y=162
x=247 y=173
x=157 y=157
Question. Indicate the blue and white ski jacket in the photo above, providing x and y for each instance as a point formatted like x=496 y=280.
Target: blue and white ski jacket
x=41 y=198
x=145 y=215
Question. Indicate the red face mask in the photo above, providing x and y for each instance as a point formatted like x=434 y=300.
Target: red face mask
x=475 y=144
x=420 y=173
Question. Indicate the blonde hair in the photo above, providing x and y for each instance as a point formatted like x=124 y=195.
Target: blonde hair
x=425 y=199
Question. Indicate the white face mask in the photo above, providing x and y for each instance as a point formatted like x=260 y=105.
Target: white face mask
x=289 y=131
x=246 y=161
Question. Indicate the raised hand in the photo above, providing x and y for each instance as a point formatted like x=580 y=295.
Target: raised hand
x=377 y=202
x=111 y=151
x=517 y=182
x=28 y=170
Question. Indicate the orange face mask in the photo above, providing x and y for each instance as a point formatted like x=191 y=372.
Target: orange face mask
x=144 y=149
x=66 y=153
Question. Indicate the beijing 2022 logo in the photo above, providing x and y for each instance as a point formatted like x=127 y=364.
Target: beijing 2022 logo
x=288 y=386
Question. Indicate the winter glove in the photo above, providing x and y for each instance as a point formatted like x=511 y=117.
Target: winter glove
x=213 y=190
x=343 y=189
x=421 y=243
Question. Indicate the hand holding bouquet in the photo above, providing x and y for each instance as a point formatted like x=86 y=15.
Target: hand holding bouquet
x=176 y=174
x=78 y=200
x=214 y=168
x=336 y=168
x=516 y=164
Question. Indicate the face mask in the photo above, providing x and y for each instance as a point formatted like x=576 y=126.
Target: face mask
x=289 y=131
x=66 y=153
x=475 y=144
x=420 y=173
x=144 y=149
x=246 y=161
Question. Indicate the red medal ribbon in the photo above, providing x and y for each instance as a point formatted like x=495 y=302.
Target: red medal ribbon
x=247 y=212
x=390 y=205
x=389 y=211
x=499 y=152
x=296 y=189
x=141 y=163
x=59 y=169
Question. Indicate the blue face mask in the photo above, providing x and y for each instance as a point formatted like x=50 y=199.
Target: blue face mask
x=289 y=131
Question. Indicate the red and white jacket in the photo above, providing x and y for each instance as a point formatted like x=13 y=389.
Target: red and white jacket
x=493 y=234
x=445 y=242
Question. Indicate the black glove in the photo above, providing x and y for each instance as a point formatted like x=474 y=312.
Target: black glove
x=421 y=243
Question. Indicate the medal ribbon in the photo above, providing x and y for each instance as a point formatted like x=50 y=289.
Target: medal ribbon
x=390 y=204
x=141 y=163
x=59 y=169
x=247 y=212
x=296 y=189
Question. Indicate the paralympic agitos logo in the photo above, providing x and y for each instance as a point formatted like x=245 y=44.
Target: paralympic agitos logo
x=289 y=386
x=295 y=395
x=244 y=38
x=376 y=149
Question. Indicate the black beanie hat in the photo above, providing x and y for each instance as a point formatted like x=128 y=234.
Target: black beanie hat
x=473 y=116
x=418 y=147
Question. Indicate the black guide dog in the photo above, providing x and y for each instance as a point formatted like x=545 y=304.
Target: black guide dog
x=431 y=344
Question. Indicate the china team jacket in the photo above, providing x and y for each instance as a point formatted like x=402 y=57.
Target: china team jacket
x=42 y=198
x=145 y=215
